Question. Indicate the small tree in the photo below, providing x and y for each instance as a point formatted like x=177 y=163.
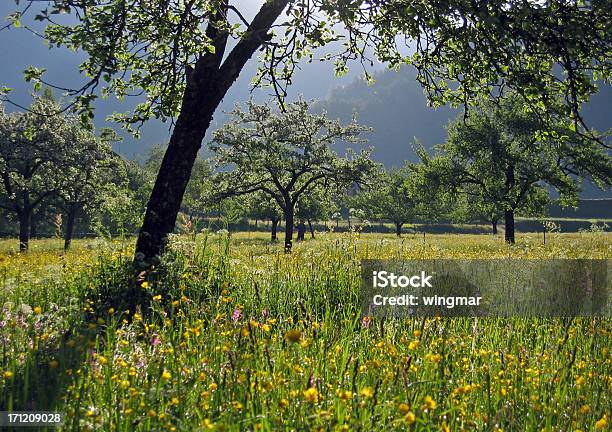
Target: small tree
x=389 y=199
x=34 y=156
x=91 y=167
x=263 y=207
x=285 y=155
x=501 y=152
x=315 y=206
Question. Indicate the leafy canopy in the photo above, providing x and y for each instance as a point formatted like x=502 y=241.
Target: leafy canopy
x=462 y=49
x=286 y=154
x=501 y=155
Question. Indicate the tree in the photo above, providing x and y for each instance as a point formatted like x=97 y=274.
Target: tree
x=476 y=207
x=91 y=167
x=389 y=199
x=35 y=153
x=184 y=67
x=502 y=154
x=315 y=206
x=286 y=155
x=264 y=207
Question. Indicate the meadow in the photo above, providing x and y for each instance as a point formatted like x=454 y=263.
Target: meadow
x=241 y=336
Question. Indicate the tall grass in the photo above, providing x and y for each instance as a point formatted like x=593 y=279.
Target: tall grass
x=241 y=336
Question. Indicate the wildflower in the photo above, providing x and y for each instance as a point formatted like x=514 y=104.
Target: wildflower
x=37 y=310
x=8 y=374
x=157 y=298
x=152 y=413
x=145 y=284
x=236 y=315
x=403 y=408
x=155 y=340
x=345 y=395
x=166 y=375
x=293 y=335
x=601 y=423
x=585 y=409
x=102 y=360
x=410 y=417
x=284 y=403
x=311 y=395
x=413 y=345
x=434 y=358
x=367 y=392
x=365 y=321
x=429 y=403
x=266 y=327
x=444 y=428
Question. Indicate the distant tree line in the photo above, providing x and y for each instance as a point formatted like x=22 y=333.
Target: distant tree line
x=280 y=166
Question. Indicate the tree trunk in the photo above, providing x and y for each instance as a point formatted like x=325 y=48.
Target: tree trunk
x=71 y=216
x=509 y=226
x=274 y=229
x=398 y=228
x=289 y=228
x=25 y=217
x=494 y=225
x=312 y=234
x=207 y=84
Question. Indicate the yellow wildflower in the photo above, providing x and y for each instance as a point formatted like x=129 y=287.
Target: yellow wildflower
x=602 y=423
x=429 y=403
x=410 y=417
x=293 y=335
x=311 y=395
x=367 y=392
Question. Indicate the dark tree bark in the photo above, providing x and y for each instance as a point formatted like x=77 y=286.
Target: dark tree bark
x=25 y=217
x=398 y=228
x=207 y=84
x=310 y=227
x=71 y=216
x=509 y=226
x=509 y=212
x=274 y=229
x=289 y=213
x=494 y=226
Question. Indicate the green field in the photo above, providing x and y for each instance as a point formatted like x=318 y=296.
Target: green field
x=242 y=336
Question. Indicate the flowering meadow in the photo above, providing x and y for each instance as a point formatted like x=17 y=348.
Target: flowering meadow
x=240 y=336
